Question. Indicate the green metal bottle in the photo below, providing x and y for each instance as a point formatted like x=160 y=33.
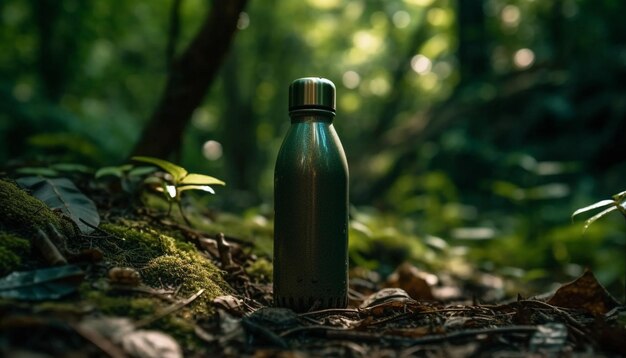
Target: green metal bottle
x=311 y=204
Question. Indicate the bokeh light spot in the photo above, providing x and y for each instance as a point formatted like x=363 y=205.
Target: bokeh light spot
x=379 y=86
x=244 y=21
x=421 y=64
x=351 y=79
x=511 y=16
x=401 y=19
x=523 y=58
x=324 y=4
x=438 y=17
x=212 y=150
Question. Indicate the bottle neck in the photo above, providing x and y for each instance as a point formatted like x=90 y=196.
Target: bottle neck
x=311 y=115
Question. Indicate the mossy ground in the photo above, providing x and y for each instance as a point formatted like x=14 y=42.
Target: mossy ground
x=12 y=251
x=21 y=218
x=22 y=214
x=162 y=257
x=164 y=263
x=138 y=308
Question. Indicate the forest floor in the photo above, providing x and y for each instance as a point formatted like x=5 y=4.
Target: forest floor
x=142 y=284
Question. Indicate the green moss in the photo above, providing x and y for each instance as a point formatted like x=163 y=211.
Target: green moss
x=261 y=270
x=132 y=247
x=190 y=272
x=122 y=305
x=23 y=214
x=165 y=262
x=12 y=250
x=144 y=307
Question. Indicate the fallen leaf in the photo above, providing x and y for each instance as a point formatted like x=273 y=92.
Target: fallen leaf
x=415 y=282
x=150 y=344
x=386 y=295
x=230 y=304
x=62 y=194
x=584 y=293
x=43 y=284
x=136 y=343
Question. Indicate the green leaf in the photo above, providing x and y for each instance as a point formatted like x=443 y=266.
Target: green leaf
x=61 y=193
x=598 y=216
x=177 y=172
x=196 y=187
x=619 y=196
x=43 y=284
x=599 y=204
x=45 y=172
x=72 y=168
x=114 y=171
x=141 y=171
x=200 y=179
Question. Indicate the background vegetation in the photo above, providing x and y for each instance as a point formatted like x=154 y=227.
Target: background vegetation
x=479 y=125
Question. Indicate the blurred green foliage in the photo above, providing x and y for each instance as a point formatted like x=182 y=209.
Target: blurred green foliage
x=484 y=126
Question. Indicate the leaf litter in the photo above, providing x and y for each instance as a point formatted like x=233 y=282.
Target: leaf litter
x=411 y=313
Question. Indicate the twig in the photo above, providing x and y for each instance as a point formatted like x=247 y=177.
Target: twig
x=226 y=257
x=573 y=324
x=98 y=340
x=342 y=333
x=393 y=318
x=102 y=231
x=48 y=250
x=182 y=212
x=330 y=310
x=195 y=234
x=292 y=331
x=165 y=296
x=472 y=333
x=355 y=295
x=169 y=309
x=577 y=327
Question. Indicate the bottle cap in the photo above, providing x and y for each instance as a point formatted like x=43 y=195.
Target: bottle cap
x=312 y=93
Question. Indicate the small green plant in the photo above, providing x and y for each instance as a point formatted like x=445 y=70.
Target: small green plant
x=618 y=202
x=179 y=180
x=130 y=177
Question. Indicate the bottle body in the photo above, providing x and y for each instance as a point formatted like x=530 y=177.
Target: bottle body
x=311 y=216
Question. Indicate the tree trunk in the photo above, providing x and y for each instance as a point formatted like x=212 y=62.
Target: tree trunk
x=239 y=130
x=57 y=48
x=190 y=77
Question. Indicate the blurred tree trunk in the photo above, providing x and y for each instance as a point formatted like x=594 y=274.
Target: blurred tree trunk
x=173 y=34
x=190 y=76
x=239 y=128
x=472 y=33
x=57 y=29
x=403 y=68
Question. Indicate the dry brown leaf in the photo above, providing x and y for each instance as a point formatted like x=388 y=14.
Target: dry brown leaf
x=151 y=344
x=584 y=293
x=415 y=282
x=386 y=295
x=230 y=304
